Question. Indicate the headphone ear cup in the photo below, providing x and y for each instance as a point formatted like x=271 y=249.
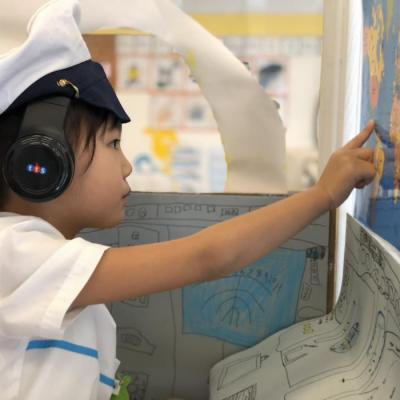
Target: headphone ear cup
x=39 y=168
x=40 y=164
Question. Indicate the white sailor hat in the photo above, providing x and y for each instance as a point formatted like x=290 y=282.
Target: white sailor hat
x=54 y=60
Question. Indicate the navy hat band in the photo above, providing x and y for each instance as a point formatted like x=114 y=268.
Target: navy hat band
x=86 y=81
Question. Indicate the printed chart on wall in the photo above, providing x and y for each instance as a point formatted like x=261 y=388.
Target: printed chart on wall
x=378 y=206
x=167 y=342
x=176 y=146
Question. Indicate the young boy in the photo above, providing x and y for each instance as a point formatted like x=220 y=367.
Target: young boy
x=62 y=171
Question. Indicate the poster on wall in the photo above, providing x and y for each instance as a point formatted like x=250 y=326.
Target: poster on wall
x=146 y=66
x=378 y=205
x=173 y=141
x=174 y=144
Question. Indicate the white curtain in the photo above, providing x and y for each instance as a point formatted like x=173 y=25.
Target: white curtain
x=340 y=95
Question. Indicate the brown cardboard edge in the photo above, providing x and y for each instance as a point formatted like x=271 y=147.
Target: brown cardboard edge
x=331 y=260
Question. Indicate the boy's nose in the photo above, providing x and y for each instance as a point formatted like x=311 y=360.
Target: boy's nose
x=126 y=168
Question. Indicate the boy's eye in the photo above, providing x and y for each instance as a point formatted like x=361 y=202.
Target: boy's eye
x=116 y=143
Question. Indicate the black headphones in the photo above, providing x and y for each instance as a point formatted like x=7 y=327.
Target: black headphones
x=40 y=165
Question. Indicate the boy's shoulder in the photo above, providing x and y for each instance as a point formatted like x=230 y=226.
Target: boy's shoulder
x=9 y=220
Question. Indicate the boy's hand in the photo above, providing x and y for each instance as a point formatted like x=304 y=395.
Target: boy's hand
x=349 y=167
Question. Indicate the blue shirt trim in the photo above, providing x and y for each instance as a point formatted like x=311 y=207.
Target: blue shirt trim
x=73 y=348
x=107 y=381
x=62 y=344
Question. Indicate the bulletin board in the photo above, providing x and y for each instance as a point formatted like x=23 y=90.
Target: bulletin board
x=169 y=341
x=173 y=142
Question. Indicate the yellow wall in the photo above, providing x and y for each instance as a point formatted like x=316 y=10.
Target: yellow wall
x=253 y=25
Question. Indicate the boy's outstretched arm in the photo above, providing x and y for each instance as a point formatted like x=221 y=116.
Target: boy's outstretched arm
x=128 y=272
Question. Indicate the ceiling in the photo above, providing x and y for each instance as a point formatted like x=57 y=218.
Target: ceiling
x=253 y=6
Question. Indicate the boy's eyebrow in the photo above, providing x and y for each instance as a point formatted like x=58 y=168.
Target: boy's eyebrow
x=117 y=125
x=112 y=126
x=113 y=132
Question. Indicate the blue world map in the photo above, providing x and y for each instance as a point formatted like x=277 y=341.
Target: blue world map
x=378 y=205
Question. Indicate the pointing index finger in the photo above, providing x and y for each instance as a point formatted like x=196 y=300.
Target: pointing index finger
x=362 y=137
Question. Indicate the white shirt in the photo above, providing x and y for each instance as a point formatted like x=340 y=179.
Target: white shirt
x=46 y=351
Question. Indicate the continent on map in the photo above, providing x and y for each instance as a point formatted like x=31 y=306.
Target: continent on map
x=373 y=47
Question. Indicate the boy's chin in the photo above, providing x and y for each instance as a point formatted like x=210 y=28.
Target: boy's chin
x=108 y=223
x=113 y=222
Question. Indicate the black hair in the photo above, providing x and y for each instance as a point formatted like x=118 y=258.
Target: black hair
x=82 y=123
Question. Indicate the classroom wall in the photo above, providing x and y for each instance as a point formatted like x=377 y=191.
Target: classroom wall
x=174 y=152
x=172 y=141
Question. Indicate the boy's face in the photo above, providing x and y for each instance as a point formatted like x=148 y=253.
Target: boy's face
x=97 y=196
